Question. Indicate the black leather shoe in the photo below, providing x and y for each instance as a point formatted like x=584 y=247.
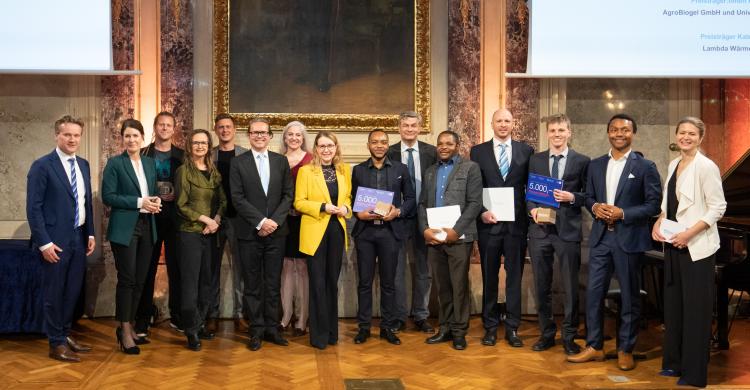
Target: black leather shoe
x=193 y=342
x=277 y=339
x=459 y=343
x=389 y=336
x=442 y=336
x=571 y=348
x=400 y=325
x=254 y=343
x=513 y=339
x=543 y=344
x=205 y=334
x=490 y=338
x=423 y=326
x=362 y=336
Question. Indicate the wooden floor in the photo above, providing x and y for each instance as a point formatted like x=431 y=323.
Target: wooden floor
x=226 y=363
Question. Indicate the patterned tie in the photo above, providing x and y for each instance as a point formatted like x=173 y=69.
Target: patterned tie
x=263 y=172
x=74 y=188
x=556 y=166
x=503 y=161
x=412 y=173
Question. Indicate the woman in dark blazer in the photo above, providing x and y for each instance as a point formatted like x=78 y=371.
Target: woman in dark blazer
x=694 y=199
x=200 y=204
x=129 y=189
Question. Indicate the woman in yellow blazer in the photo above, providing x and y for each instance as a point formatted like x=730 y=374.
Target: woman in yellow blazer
x=323 y=197
x=693 y=197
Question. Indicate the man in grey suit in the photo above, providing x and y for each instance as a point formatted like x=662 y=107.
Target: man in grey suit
x=561 y=238
x=417 y=156
x=262 y=192
x=452 y=181
x=222 y=156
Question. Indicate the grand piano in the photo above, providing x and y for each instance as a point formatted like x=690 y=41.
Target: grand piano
x=732 y=264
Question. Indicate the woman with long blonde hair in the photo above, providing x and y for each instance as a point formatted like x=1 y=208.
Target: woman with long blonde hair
x=323 y=197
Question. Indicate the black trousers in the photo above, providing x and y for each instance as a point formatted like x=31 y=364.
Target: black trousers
x=377 y=242
x=323 y=269
x=195 y=270
x=262 y=260
x=688 y=304
x=542 y=252
x=62 y=286
x=451 y=265
x=166 y=234
x=512 y=249
x=132 y=264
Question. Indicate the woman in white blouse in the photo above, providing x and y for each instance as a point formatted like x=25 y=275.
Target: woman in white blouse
x=693 y=202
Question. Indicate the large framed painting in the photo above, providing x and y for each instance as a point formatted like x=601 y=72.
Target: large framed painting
x=344 y=65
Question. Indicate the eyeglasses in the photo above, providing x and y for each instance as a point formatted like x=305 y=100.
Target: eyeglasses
x=259 y=133
x=329 y=147
x=199 y=143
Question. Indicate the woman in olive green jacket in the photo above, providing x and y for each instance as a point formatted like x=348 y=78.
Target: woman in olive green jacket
x=200 y=204
x=129 y=188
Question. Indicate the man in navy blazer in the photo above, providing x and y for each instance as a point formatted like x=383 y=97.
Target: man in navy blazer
x=504 y=163
x=623 y=192
x=380 y=236
x=58 y=208
x=562 y=237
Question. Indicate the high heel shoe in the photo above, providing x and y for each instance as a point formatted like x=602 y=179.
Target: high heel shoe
x=134 y=350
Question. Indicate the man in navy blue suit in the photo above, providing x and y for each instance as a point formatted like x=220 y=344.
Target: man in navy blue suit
x=623 y=192
x=58 y=208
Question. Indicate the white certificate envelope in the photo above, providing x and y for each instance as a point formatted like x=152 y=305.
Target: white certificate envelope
x=501 y=201
x=669 y=228
x=443 y=217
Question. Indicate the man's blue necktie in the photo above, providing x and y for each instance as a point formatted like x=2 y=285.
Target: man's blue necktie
x=74 y=188
x=503 y=162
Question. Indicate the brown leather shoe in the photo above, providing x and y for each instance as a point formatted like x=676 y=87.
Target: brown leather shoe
x=625 y=361
x=587 y=355
x=241 y=325
x=76 y=346
x=211 y=325
x=64 y=354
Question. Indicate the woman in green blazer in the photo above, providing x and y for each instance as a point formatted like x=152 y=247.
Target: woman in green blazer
x=200 y=204
x=129 y=189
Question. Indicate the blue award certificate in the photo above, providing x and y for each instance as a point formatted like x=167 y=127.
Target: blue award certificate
x=540 y=188
x=368 y=198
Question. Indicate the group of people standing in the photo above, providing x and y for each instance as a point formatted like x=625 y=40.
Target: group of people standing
x=283 y=217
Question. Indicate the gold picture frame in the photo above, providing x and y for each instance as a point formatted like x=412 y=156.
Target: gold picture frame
x=341 y=122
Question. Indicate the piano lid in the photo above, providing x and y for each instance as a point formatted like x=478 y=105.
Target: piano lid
x=736 y=183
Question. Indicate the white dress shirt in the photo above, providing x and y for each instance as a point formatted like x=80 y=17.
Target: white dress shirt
x=508 y=150
x=614 y=171
x=417 y=164
x=560 y=164
x=267 y=168
x=140 y=174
